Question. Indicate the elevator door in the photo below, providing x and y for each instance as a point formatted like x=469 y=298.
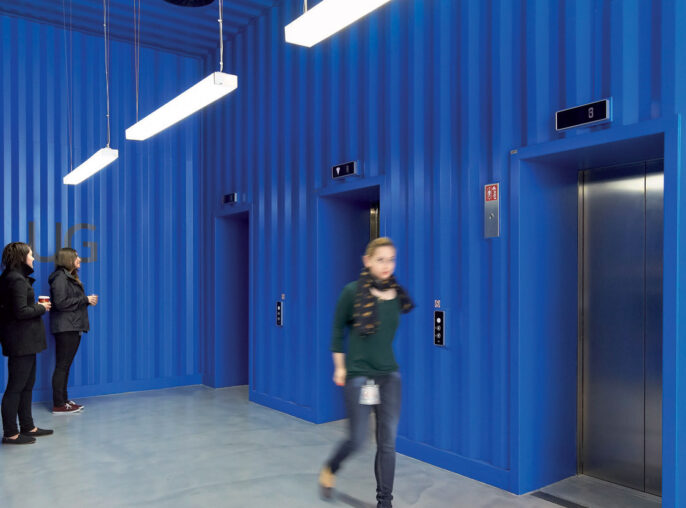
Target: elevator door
x=374 y=222
x=621 y=324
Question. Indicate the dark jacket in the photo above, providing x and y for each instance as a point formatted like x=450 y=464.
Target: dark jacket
x=69 y=311
x=21 y=328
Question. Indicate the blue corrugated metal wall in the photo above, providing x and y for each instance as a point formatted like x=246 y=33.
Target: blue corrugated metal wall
x=143 y=208
x=431 y=96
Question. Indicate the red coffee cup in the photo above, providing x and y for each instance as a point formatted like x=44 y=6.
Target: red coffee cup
x=43 y=299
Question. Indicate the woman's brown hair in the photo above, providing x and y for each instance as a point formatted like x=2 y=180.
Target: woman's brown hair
x=14 y=255
x=66 y=258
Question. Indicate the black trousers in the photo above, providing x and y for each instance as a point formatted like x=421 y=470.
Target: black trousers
x=67 y=343
x=18 y=394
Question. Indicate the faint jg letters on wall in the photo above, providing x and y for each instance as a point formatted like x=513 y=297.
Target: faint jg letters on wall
x=90 y=248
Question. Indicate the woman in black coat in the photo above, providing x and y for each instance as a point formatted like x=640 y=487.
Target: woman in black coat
x=23 y=336
x=68 y=321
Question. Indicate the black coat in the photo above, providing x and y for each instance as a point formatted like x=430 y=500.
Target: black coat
x=21 y=328
x=69 y=311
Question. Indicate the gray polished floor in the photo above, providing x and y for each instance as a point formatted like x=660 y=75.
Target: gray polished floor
x=195 y=446
x=592 y=493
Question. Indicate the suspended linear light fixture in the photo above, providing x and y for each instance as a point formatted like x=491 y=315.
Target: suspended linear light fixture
x=212 y=88
x=99 y=160
x=105 y=156
x=326 y=18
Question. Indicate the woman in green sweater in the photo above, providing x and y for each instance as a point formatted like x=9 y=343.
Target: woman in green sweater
x=371 y=308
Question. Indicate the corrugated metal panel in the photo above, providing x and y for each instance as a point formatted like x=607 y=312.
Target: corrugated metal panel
x=142 y=209
x=183 y=30
x=432 y=96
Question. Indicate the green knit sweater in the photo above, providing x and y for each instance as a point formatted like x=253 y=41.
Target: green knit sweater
x=367 y=355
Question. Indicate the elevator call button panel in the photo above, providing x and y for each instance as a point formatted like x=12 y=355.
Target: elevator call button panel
x=279 y=313
x=439 y=328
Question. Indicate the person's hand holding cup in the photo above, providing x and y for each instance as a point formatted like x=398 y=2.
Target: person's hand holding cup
x=93 y=300
x=45 y=302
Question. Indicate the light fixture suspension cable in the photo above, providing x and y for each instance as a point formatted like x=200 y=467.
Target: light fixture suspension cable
x=207 y=91
x=68 y=58
x=221 y=36
x=107 y=64
x=137 y=47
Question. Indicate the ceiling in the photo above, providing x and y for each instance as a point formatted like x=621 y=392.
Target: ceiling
x=185 y=30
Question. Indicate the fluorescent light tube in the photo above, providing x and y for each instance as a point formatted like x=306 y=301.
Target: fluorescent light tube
x=99 y=160
x=326 y=18
x=213 y=87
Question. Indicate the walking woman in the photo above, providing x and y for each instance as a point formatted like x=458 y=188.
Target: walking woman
x=23 y=336
x=68 y=321
x=371 y=307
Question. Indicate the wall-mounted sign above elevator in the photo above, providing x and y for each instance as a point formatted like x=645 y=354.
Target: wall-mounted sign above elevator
x=230 y=198
x=586 y=114
x=345 y=169
x=492 y=210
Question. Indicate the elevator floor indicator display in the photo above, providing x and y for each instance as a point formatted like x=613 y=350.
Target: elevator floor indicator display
x=231 y=198
x=586 y=114
x=345 y=169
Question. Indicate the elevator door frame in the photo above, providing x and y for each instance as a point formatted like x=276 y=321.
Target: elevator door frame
x=354 y=191
x=240 y=212
x=542 y=423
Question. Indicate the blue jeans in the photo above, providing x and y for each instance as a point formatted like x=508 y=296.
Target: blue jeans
x=387 y=416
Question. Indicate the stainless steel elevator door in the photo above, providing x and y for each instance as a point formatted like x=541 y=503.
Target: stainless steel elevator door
x=621 y=324
x=374 y=222
x=653 y=335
